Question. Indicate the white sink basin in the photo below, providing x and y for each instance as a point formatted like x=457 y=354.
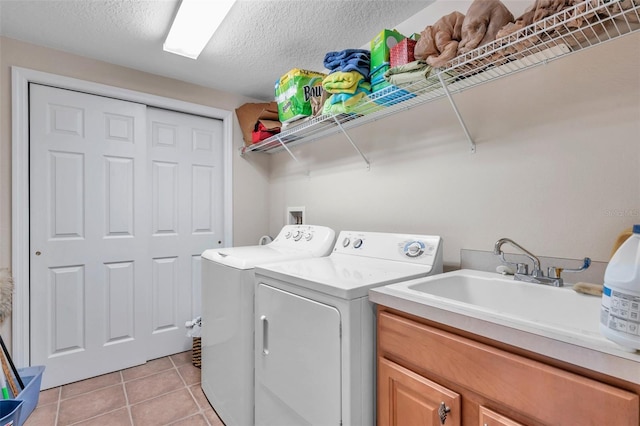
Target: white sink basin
x=501 y=299
x=558 y=307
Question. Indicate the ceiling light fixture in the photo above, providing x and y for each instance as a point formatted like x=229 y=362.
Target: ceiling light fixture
x=194 y=25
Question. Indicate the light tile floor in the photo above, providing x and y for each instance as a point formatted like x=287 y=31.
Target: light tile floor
x=165 y=391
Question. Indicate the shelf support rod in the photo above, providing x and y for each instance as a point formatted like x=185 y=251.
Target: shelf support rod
x=352 y=142
x=284 y=145
x=455 y=109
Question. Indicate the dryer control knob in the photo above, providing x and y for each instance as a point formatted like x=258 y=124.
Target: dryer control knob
x=308 y=236
x=414 y=249
x=297 y=235
x=346 y=242
x=357 y=243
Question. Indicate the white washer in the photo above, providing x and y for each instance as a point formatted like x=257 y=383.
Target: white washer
x=315 y=327
x=227 y=315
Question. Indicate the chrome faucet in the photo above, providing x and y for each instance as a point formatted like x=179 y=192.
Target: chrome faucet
x=537 y=275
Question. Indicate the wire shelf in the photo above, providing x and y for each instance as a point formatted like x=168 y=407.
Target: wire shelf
x=576 y=28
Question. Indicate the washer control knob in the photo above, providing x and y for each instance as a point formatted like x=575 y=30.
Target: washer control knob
x=308 y=236
x=288 y=234
x=346 y=242
x=414 y=248
x=357 y=243
x=297 y=235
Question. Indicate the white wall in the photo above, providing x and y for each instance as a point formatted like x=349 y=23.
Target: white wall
x=557 y=166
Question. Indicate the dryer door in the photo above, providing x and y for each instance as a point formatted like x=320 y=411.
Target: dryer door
x=297 y=360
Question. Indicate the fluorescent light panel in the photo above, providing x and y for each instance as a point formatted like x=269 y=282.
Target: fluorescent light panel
x=194 y=25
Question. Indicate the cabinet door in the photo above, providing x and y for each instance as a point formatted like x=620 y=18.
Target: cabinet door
x=407 y=398
x=491 y=418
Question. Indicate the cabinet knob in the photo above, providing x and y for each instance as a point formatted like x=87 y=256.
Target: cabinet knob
x=442 y=412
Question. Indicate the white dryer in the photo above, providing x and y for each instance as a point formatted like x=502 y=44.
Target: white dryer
x=315 y=327
x=227 y=314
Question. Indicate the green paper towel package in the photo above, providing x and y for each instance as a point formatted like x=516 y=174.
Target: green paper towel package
x=295 y=93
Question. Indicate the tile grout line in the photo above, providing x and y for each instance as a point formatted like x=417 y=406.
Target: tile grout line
x=201 y=410
x=58 y=406
x=126 y=398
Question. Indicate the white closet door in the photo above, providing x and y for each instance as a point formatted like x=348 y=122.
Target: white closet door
x=89 y=269
x=185 y=171
x=123 y=200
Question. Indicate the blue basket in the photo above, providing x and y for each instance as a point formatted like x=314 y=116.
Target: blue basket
x=10 y=410
x=32 y=378
x=391 y=95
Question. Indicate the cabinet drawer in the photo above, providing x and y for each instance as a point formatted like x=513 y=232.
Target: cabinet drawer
x=547 y=394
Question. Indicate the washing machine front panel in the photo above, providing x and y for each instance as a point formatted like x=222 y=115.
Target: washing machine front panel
x=298 y=360
x=227 y=341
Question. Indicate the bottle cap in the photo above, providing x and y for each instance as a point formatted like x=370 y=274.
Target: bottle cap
x=636 y=229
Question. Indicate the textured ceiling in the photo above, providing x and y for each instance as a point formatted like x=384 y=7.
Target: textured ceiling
x=257 y=42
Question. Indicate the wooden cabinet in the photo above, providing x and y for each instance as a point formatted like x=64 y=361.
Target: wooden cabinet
x=420 y=366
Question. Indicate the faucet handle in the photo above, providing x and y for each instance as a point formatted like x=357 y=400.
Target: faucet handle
x=555 y=272
x=521 y=268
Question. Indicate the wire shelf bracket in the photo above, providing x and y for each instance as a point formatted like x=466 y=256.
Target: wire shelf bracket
x=353 y=144
x=284 y=145
x=455 y=109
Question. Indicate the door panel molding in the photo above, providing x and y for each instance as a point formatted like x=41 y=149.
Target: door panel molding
x=20 y=79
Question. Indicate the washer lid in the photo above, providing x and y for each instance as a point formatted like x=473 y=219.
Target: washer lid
x=347 y=277
x=249 y=256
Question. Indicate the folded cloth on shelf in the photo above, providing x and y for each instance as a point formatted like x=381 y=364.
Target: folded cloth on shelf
x=359 y=103
x=355 y=64
x=408 y=73
x=333 y=59
x=438 y=44
x=347 y=98
x=342 y=82
x=349 y=60
x=482 y=22
x=341 y=59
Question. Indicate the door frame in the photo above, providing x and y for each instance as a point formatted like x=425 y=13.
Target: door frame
x=20 y=79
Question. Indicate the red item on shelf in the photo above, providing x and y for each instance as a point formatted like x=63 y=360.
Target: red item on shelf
x=402 y=53
x=264 y=129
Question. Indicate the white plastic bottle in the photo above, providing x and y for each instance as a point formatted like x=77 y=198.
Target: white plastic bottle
x=620 y=313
